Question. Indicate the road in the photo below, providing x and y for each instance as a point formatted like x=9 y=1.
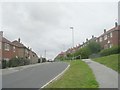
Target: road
x=33 y=77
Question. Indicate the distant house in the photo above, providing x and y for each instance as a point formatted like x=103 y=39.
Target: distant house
x=16 y=49
x=108 y=39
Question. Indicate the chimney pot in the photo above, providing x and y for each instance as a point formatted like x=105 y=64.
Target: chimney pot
x=116 y=24
x=86 y=39
x=92 y=36
x=18 y=39
x=104 y=30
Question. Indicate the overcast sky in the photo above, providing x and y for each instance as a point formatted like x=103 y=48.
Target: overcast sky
x=45 y=25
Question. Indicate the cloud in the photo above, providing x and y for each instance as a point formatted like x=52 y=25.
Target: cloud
x=45 y=25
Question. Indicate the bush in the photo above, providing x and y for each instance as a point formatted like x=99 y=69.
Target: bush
x=94 y=47
x=4 y=64
x=14 y=62
x=113 y=50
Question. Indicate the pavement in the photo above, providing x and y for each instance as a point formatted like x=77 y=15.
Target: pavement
x=106 y=77
x=32 y=76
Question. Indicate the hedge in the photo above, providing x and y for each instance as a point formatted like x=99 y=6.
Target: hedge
x=113 y=50
x=14 y=62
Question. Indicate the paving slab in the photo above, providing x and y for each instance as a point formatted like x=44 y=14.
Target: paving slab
x=106 y=77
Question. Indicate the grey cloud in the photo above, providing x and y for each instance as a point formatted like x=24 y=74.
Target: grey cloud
x=45 y=25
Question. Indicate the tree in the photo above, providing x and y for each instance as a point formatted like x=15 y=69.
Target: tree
x=94 y=47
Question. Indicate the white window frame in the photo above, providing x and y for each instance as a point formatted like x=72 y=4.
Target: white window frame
x=14 y=48
x=7 y=46
x=100 y=39
x=111 y=34
x=108 y=41
x=105 y=37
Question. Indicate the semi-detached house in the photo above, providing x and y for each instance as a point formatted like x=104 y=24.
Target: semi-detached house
x=16 y=49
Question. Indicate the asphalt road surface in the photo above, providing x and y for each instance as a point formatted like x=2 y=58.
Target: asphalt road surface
x=33 y=77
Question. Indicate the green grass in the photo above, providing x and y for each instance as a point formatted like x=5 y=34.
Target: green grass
x=110 y=61
x=79 y=75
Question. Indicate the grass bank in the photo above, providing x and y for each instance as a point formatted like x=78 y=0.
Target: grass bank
x=110 y=61
x=79 y=75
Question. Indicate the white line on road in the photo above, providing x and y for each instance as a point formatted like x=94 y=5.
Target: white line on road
x=55 y=78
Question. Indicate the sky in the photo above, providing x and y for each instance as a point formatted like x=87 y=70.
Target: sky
x=45 y=26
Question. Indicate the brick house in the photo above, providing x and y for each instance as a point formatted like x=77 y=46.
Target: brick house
x=16 y=49
x=1 y=35
x=107 y=40
x=110 y=38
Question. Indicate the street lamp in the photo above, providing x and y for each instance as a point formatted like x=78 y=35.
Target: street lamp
x=72 y=38
x=72 y=35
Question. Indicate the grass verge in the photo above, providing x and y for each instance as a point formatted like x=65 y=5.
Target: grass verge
x=110 y=61
x=79 y=75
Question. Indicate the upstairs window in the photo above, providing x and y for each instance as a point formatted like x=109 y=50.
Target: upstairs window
x=105 y=37
x=13 y=48
x=111 y=34
x=7 y=47
x=100 y=39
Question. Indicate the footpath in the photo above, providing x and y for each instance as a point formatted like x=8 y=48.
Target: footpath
x=106 y=77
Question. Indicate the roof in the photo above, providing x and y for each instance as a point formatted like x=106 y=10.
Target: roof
x=18 y=44
x=111 y=30
x=6 y=41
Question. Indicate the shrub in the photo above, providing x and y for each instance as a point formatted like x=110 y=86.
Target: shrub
x=14 y=62
x=113 y=50
x=4 y=64
x=94 y=47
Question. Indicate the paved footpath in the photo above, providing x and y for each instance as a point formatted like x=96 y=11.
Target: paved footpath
x=106 y=77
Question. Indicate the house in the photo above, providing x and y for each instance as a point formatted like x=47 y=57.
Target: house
x=16 y=49
x=110 y=38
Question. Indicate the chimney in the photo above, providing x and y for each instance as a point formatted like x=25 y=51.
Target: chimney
x=104 y=30
x=86 y=39
x=92 y=36
x=116 y=24
x=18 y=39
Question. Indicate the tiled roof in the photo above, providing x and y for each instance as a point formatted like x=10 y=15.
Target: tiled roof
x=18 y=44
x=6 y=41
x=111 y=30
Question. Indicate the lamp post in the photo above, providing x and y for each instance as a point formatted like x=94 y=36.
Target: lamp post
x=72 y=38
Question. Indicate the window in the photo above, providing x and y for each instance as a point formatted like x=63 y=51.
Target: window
x=7 y=47
x=111 y=34
x=0 y=45
x=13 y=48
x=105 y=37
x=100 y=39
x=26 y=51
x=108 y=41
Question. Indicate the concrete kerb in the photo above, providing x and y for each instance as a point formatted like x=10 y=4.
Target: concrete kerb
x=57 y=77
